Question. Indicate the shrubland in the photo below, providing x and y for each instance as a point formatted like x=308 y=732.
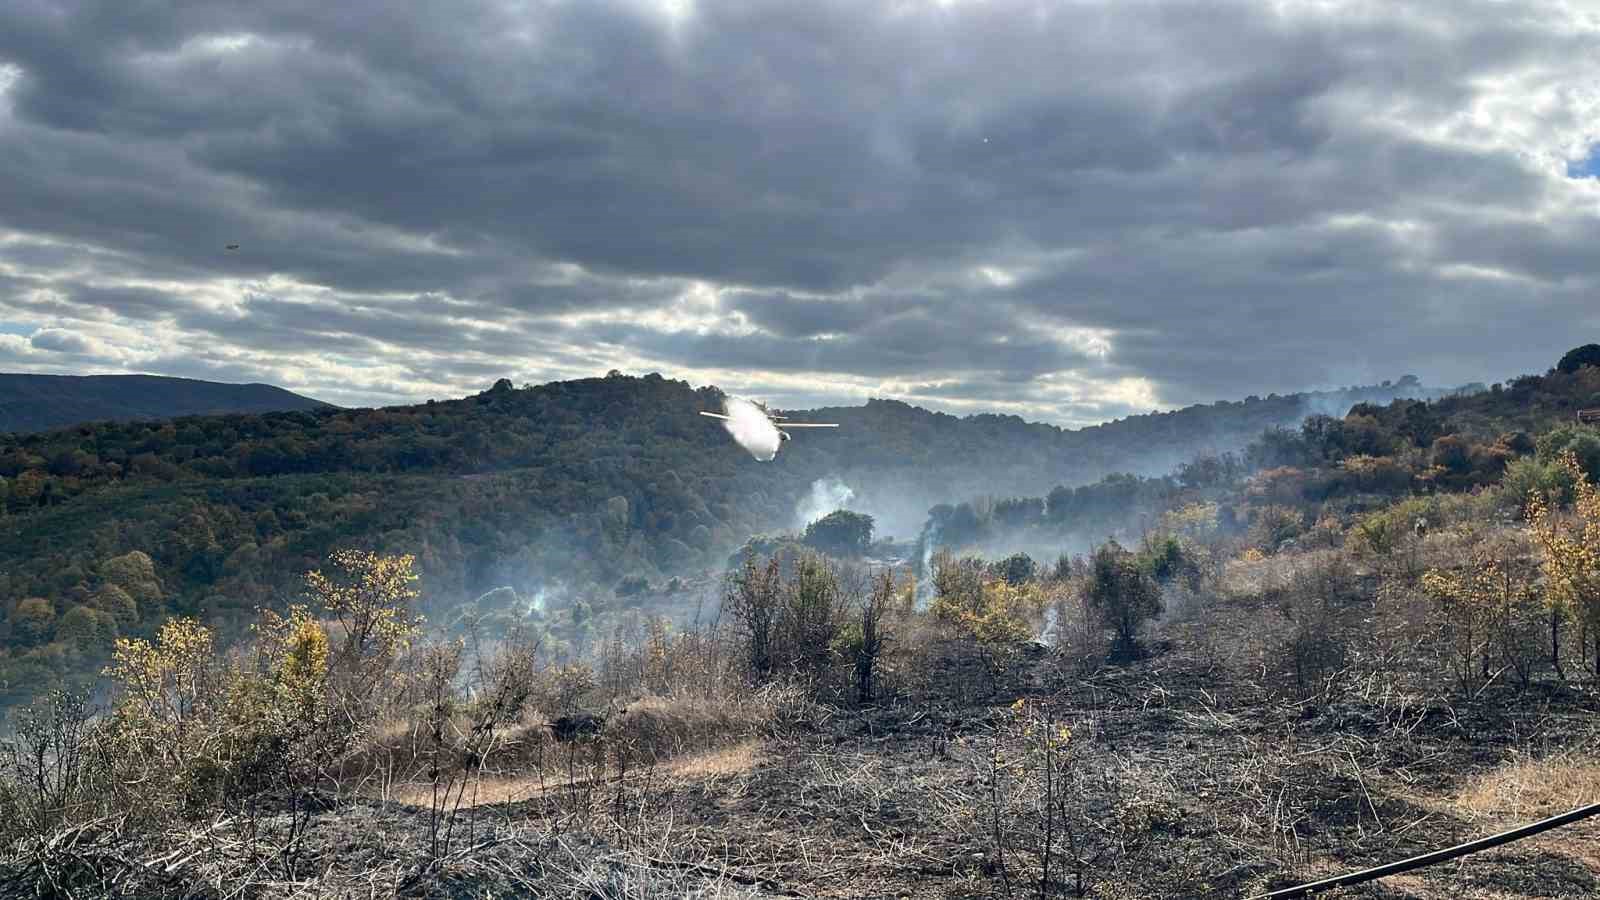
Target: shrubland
x=1350 y=644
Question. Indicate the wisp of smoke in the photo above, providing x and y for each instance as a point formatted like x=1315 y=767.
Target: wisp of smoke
x=1047 y=634
x=751 y=428
x=827 y=495
x=930 y=537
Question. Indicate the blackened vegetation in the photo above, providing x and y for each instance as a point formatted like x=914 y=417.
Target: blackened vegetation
x=572 y=727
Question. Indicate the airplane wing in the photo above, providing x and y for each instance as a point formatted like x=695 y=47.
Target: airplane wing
x=811 y=424
x=712 y=414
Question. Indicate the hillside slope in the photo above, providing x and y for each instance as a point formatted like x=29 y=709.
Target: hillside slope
x=31 y=403
x=557 y=491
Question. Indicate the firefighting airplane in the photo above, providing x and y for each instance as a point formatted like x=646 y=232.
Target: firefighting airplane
x=756 y=429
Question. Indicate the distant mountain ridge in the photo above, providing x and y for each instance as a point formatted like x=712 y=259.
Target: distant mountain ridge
x=31 y=403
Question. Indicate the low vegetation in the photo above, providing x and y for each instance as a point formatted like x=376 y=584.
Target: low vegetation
x=1267 y=684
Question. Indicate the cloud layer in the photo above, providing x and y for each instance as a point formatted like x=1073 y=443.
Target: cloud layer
x=1070 y=211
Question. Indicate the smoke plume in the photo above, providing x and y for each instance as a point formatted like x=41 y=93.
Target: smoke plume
x=827 y=495
x=928 y=540
x=1047 y=634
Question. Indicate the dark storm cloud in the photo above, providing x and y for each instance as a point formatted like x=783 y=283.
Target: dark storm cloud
x=1072 y=210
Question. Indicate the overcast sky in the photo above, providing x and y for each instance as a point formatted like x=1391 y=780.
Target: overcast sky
x=1068 y=211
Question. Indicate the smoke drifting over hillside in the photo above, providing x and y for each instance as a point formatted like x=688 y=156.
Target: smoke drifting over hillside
x=827 y=495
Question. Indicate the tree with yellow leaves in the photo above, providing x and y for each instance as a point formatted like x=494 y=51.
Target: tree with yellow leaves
x=1570 y=551
x=998 y=615
x=997 y=618
x=194 y=730
x=1491 y=611
x=169 y=688
x=368 y=596
x=291 y=658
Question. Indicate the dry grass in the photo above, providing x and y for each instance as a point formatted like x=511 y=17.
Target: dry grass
x=650 y=730
x=733 y=760
x=517 y=788
x=1534 y=788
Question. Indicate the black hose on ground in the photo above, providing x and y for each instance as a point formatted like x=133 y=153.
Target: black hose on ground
x=1437 y=856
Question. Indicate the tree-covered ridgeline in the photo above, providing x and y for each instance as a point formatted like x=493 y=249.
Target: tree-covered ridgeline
x=588 y=485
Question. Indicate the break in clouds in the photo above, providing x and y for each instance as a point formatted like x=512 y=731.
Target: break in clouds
x=1069 y=211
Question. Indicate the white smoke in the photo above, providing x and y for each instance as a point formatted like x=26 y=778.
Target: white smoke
x=827 y=495
x=924 y=596
x=537 y=603
x=1047 y=634
x=751 y=428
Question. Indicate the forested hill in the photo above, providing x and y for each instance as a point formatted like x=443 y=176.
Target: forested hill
x=567 y=486
x=1003 y=455
x=44 y=402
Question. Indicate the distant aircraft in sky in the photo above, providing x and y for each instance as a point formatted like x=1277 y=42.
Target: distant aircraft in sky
x=233 y=246
x=756 y=429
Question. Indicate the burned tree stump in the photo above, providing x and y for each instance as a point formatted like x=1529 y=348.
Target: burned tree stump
x=568 y=728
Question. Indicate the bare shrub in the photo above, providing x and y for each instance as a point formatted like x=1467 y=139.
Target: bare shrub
x=865 y=638
x=1032 y=826
x=1074 y=626
x=52 y=769
x=1314 y=659
x=753 y=599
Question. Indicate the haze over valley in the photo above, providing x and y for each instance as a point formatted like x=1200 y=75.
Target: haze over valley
x=642 y=449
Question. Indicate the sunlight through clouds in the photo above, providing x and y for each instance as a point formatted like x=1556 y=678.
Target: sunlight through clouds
x=935 y=201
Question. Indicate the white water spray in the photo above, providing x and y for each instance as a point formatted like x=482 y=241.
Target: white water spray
x=751 y=428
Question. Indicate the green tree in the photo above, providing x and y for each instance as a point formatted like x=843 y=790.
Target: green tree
x=1164 y=559
x=1122 y=594
x=87 y=629
x=34 y=622
x=135 y=574
x=1582 y=441
x=1528 y=477
x=1578 y=357
x=115 y=602
x=1016 y=569
x=840 y=533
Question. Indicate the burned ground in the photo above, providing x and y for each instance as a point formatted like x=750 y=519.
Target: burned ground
x=1183 y=780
